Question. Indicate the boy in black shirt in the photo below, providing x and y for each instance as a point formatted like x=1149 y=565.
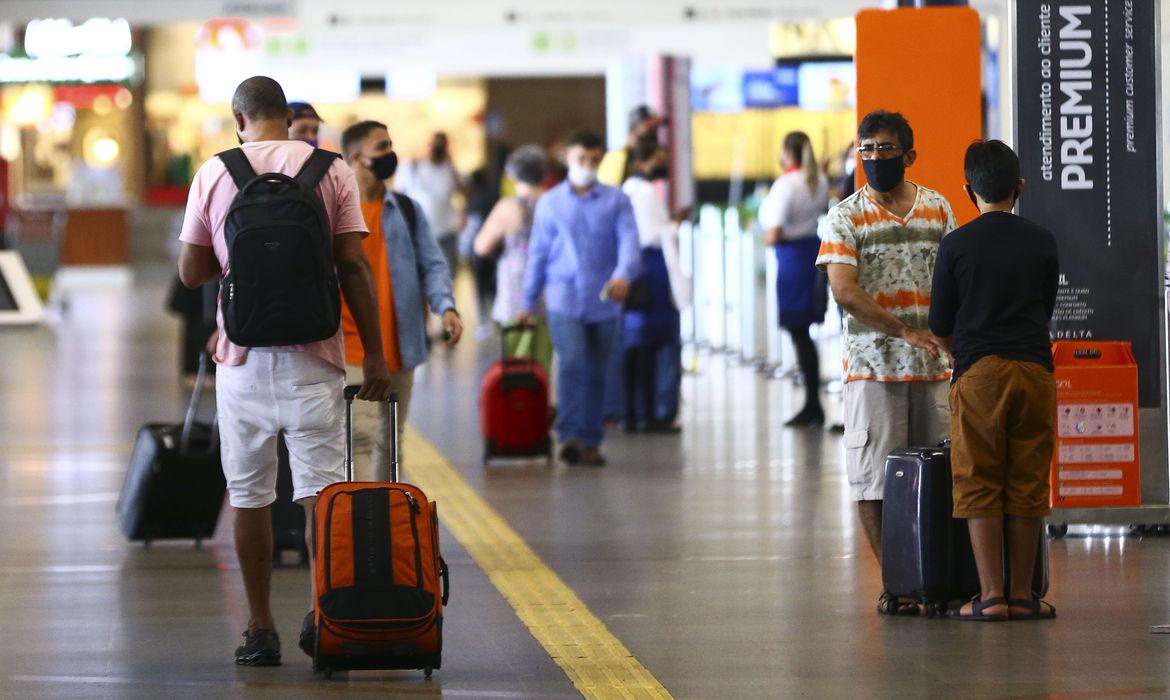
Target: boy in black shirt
x=993 y=295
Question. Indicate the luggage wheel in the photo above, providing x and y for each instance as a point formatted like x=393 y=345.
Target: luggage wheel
x=934 y=609
x=1057 y=531
x=427 y=672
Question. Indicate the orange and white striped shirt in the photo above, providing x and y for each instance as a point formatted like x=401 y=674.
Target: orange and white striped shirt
x=894 y=258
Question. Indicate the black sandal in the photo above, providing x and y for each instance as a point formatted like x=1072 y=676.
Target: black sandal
x=891 y=605
x=1037 y=609
x=977 y=608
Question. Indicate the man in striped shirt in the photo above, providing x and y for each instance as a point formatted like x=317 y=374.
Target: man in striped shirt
x=878 y=247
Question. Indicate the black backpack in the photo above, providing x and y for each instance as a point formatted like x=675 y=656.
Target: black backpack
x=281 y=287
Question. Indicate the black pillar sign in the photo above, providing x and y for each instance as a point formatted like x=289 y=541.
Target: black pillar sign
x=1086 y=120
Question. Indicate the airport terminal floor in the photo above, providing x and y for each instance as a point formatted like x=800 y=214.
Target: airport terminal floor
x=725 y=562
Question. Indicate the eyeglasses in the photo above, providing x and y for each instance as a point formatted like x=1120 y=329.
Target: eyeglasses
x=882 y=150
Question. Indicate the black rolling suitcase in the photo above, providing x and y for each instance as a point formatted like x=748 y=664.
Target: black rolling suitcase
x=288 y=518
x=926 y=551
x=174 y=487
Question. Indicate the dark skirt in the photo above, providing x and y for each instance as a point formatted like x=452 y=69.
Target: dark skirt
x=660 y=319
x=801 y=289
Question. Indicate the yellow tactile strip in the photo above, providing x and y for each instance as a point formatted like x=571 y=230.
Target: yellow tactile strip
x=597 y=663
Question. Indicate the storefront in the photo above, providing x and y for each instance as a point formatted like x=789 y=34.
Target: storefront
x=71 y=139
x=192 y=69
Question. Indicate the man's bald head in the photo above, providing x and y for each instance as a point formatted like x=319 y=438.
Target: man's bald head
x=260 y=98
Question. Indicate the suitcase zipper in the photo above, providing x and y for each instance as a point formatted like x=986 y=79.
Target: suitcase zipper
x=364 y=633
x=414 y=510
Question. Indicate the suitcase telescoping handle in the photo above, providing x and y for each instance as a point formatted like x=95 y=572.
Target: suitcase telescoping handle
x=193 y=408
x=351 y=392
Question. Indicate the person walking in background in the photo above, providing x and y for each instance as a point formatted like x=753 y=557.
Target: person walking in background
x=617 y=167
x=294 y=390
x=509 y=229
x=993 y=295
x=879 y=249
x=408 y=268
x=652 y=364
x=306 y=123
x=484 y=195
x=789 y=217
x=433 y=182
x=583 y=255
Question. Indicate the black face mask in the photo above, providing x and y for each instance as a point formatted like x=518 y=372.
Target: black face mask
x=438 y=153
x=384 y=165
x=659 y=172
x=885 y=174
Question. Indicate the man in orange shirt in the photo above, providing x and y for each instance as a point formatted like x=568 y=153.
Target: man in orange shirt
x=409 y=273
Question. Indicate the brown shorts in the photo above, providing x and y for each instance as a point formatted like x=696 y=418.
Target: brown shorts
x=1003 y=421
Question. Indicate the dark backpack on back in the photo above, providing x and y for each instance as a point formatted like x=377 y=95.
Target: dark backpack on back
x=281 y=287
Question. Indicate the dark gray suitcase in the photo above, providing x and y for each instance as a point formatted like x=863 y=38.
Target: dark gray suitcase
x=174 y=487
x=926 y=552
x=288 y=518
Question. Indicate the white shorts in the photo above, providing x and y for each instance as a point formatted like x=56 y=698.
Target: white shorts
x=294 y=392
x=881 y=417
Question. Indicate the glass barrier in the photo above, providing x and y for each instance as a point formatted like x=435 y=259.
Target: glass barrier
x=734 y=309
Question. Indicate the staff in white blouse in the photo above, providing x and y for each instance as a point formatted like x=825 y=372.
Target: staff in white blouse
x=788 y=216
x=652 y=360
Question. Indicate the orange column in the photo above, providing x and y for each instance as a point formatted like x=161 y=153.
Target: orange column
x=925 y=63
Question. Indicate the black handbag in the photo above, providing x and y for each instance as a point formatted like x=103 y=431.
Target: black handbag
x=639 y=297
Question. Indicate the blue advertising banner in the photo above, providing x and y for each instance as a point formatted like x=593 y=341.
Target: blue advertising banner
x=769 y=89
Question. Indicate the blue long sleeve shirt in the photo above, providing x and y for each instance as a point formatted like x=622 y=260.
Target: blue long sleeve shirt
x=418 y=271
x=579 y=243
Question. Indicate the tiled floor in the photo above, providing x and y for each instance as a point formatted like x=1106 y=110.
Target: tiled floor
x=727 y=559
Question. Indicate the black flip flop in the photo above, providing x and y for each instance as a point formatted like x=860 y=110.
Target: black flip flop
x=1039 y=609
x=977 y=608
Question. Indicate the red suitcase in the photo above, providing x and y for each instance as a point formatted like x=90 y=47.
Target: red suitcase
x=514 y=407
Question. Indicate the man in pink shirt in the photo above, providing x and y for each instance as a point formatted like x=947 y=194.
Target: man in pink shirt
x=261 y=392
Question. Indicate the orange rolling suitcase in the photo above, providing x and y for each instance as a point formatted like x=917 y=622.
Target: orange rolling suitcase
x=380 y=584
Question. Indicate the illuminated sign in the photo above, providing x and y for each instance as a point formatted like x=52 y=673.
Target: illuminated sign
x=48 y=38
x=96 y=51
x=68 y=69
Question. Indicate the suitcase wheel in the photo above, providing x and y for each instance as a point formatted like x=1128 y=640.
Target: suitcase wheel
x=488 y=448
x=888 y=605
x=427 y=672
x=935 y=609
x=1057 y=531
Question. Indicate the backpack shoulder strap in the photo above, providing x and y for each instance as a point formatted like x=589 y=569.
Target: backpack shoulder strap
x=314 y=169
x=237 y=166
x=406 y=204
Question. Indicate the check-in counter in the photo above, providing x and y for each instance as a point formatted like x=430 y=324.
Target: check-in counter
x=57 y=235
x=96 y=236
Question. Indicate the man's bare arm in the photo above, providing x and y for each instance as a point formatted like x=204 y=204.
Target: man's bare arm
x=851 y=297
x=197 y=265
